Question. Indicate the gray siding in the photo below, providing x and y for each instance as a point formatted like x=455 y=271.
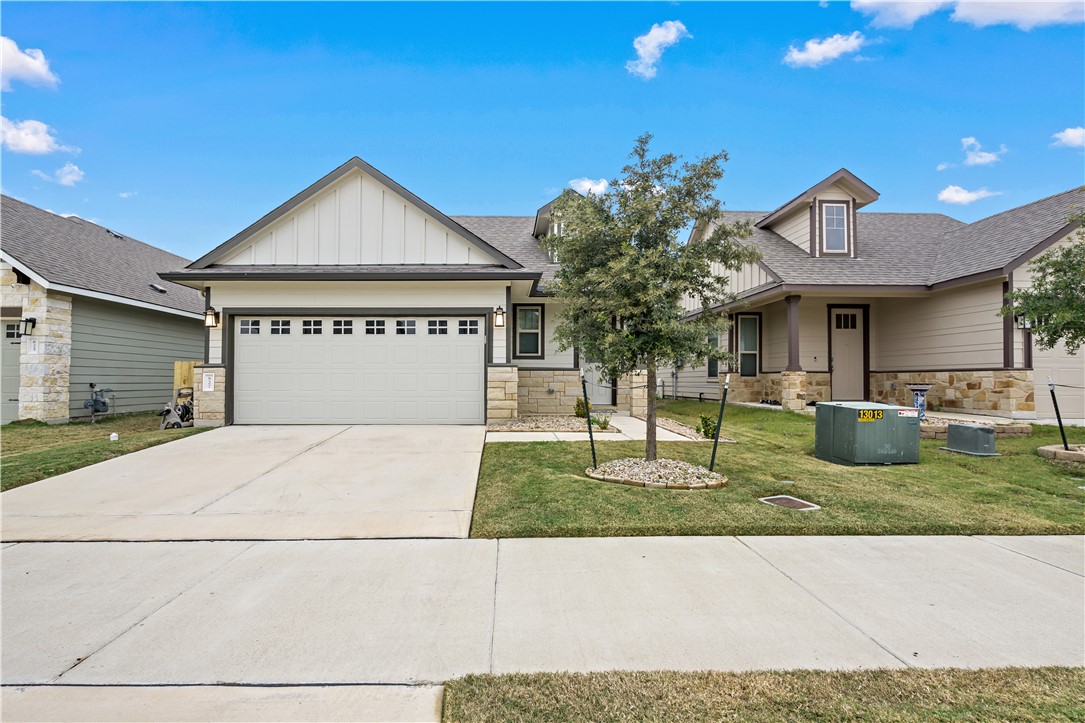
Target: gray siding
x=129 y=349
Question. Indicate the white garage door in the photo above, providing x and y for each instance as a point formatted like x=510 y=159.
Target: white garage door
x=1066 y=371
x=359 y=370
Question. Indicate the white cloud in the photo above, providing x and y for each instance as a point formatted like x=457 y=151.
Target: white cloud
x=128 y=194
x=29 y=66
x=595 y=186
x=944 y=166
x=29 y=136
x=962 y=197
x=889 y=14
x=651 y=45
x=818 y=52
x=1025 y=15
x=1070 y=138
x=974 y=155
x=67 y=175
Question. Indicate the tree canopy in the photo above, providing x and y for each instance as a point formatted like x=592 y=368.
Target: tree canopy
x=1054 y=305
x=625 y=270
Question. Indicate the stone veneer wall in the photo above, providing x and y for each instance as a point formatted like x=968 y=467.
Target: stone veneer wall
x=502 y=392
x=44 y=376
x=1008 y=393
x=536 y=397
x=633 y=394
x=746 y=389
x=209 y=408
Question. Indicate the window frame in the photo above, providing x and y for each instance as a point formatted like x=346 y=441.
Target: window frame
x=469 y=327
x=406 y=327
x=541 y=331
x=714 y=364
x=738 y=345
x=437 y=327
x=375 y=327
x=248 y=327
x=847 y=228
x=312 y=327
x=343 y=327
x=279 y=327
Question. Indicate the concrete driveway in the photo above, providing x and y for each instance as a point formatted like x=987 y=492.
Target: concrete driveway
x=264 y=483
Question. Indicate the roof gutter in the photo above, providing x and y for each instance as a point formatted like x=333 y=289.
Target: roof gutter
x=182 y=277
x=76 y=291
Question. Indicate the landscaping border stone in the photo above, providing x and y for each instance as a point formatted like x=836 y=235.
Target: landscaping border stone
x=1076 y=453
x=657 y=485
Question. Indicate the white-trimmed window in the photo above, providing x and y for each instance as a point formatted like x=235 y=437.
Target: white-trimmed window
x=438 y=326
x=749 y=345
x=343 y=326
x=835 y=227
x=469 y=326
x=280 y=326
x=529 y=329
x=404 y=326
x=374 y=326
x=312 y=326
x=714 y=364
x=250 y=326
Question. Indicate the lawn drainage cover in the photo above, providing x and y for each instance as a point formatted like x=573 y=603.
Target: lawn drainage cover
x=791 y=503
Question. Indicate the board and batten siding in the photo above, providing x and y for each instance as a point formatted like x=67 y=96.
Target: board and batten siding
x=958 y=329
x=129 y=349
x=357 y=221
x=748 y=277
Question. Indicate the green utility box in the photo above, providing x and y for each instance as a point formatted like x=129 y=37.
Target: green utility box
x=977 y=440
x=866 y=433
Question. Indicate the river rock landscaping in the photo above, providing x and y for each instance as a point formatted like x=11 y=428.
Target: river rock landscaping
x=547 y=423
x=660 y=474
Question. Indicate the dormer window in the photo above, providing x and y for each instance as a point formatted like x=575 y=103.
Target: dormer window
x=835 y=228
x=556 y=229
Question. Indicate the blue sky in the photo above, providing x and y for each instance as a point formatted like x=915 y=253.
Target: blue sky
x=180 y=124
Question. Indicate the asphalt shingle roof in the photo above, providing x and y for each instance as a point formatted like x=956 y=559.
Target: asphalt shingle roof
x=512 y=235
x=995 y=241
x=78 y=253
x=894 y=249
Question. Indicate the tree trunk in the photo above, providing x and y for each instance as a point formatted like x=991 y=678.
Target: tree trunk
x=650 y=420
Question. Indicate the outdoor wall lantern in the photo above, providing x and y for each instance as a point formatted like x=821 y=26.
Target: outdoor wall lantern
x=210 y=318
x=499 y=318
x=26 y=326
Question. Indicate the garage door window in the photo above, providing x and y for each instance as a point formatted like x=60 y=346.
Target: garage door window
x=342 y=326
x=438 y=326
x=250 y=326
x=280 y=326
x=405 y=326
x=374 y=326
x=312 y=326
x=468 y=326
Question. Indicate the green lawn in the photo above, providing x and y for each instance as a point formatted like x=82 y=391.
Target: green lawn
x=1007 y=694
x=30 y=451
x=538 y=489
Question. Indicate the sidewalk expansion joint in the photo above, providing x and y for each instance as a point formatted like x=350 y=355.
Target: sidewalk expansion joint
x=1022 y=554
x=828 y=607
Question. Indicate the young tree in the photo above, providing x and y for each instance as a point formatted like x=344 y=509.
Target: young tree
x=624 y=271
x=1055 y=305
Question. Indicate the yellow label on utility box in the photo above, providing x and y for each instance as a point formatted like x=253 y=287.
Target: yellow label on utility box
x=870 y=415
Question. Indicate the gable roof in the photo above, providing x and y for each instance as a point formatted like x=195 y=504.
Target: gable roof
x=864 y=195
x=1000 y=241
x=76 y=256
x=514 y=235
x=355 y=163
x=895 y=249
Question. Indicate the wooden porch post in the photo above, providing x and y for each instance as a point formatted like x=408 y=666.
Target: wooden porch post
x=793 y=364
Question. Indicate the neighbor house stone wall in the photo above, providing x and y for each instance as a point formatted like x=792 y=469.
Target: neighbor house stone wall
x=209 y=407
x=633 y=394
x=46 y=359
x=502 y=392
x=747 y=389
x=545 y=391
x=1000 y=393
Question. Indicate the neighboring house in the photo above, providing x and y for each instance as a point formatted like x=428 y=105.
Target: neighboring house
x=357 y=302
x=100 y=315
x=849 y=305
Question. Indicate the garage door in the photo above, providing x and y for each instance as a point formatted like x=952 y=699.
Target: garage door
x=359 y=370
x=1066 y=371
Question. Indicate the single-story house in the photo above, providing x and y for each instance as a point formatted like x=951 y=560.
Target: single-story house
x=854 y=305
x=356 y=301
x=83 y=305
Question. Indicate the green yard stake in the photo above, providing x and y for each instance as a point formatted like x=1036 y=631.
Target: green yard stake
x=587 y=415
x=719 y=423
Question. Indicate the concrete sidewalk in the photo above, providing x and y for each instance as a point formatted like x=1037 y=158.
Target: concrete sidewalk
x=424 y=611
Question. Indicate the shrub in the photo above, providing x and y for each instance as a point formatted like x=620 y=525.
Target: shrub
x=707 y=427
x=602 y=421
x=579 y=409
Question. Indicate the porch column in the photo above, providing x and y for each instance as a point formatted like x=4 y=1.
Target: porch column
x=793 y=364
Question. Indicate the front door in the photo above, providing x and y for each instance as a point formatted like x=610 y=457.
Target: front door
x=600 y=388
x=9 y=385
x=847 y=342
